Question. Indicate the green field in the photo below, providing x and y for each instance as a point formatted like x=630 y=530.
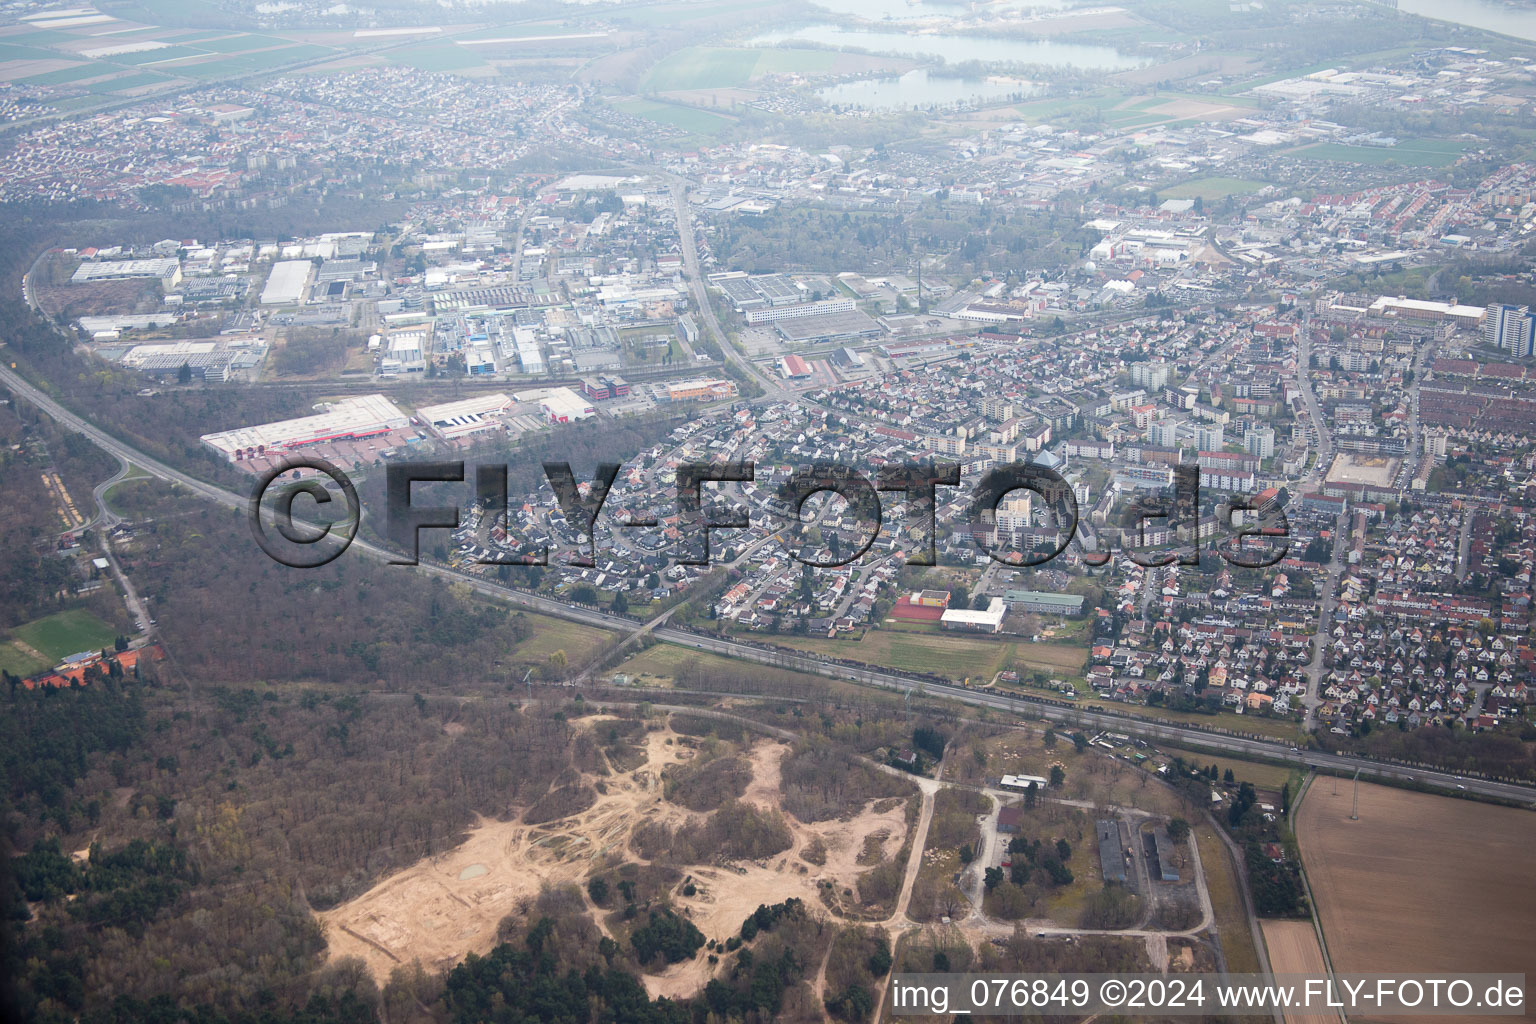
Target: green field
x=720 y=67
x=532 y=30
x=956 y=657
x=55 y=637
x=63 y=76
x=1211 y=188
x=250 y=63
x=242 y=43
x=165 y=53
x=1412 y=153
x=689 y=119
x=1264 y=776
x=127 y=82
x=436 y=56
x=14 y=51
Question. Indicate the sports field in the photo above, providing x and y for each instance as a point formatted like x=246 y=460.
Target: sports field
x=45 y=642
x=1411 y=152
x=1420 y=883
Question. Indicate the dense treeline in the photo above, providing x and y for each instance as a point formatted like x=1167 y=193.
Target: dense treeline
x=232 y=614
x=48 y=738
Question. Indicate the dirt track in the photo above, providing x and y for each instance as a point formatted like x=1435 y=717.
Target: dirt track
x=1420 y=883
x=439 y=909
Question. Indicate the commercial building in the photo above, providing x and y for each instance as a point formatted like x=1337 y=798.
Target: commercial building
x=285 y=285
x=794 y=367
x=604 y=387
x=846 y=326
x=565 y=406
x=776 y=313
x=348 y=419
x=167 y=271
x=466 y=417
x=703 y=390
x=1420 y=309
x=406 y=353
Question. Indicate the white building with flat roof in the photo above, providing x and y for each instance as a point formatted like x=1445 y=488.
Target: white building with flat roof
x=285 y=285
x=565 y=406
x=466 y=417
x=348 y=419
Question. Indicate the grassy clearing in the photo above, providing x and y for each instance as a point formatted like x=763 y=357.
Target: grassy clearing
x=674 y=14
x=550 y=635
x=689 y=119
x=1263 y=776
x=65 y=633
x=662 y=662
x=1211 y=188
x=1411 y=153
x=1227 y=902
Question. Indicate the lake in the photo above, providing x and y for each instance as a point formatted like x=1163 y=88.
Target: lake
x=902 y=10
x=956 y=49
x=1518 y=20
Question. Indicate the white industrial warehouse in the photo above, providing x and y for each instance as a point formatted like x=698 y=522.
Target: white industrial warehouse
x=350 y=418
x=286 y=284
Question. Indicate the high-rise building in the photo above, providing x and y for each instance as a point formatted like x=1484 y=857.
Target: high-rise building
x=1259 y=441
x=1210 y=437
x=1150 y=373
x=1163 y=433
x=1510 y=329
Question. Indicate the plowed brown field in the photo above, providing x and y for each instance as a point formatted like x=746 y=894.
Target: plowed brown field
x=1420 y=882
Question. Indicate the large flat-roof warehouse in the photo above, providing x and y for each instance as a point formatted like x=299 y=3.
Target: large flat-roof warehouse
x=363 y=416
x=286 y=284
x=468 y=416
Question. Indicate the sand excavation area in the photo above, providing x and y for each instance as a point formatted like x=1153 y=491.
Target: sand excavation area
x=446 y=906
